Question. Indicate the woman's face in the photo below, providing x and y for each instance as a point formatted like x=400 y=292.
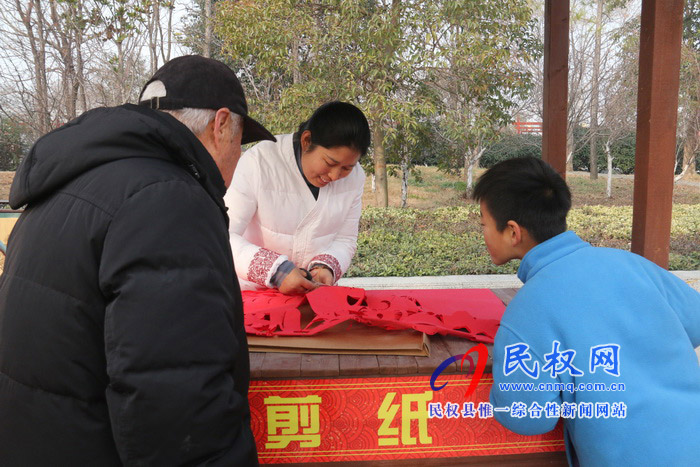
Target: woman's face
x=324 y=165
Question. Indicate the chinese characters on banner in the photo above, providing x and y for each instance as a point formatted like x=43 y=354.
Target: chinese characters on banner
x=292 y=419
x=413 y=407
x=381 y=418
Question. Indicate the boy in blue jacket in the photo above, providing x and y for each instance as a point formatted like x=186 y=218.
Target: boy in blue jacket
x=598 y=336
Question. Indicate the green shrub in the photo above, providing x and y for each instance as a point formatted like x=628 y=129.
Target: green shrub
x=12 y=145
x=622 y=150
x=510 y=146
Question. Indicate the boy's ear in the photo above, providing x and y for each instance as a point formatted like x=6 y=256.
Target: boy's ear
x=515 y=233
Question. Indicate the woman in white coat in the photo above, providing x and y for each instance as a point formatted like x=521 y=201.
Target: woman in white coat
x=294 y=205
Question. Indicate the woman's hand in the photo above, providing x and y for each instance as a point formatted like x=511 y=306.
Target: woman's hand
x=296 y=283
x=322 y=275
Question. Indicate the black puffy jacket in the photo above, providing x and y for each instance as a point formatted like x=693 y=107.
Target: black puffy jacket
x=121 y=323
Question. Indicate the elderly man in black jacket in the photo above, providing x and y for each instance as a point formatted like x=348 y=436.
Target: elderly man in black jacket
x=121 y=324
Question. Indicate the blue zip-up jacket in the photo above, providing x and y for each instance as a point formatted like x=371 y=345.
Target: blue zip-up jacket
x=591 y=300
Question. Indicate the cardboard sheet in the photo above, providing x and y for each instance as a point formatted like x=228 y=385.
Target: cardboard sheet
x=348 y=338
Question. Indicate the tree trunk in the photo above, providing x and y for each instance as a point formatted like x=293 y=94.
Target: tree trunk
x=79 y=83
x=404 y=180
x=169 y=42
x=469 y=176
x=42 y=79
x=382 y=193
x=153 y=23
x=608 y=153
x=80 y=72
x=470 y=162
x=36 y=33
x=690 y=160
x=206 y=48
x=121 y=75
x=594 y=97
x=61 y=45
x=690 y=145
x=570 y=149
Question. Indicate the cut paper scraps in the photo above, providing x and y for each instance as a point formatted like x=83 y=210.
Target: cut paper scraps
x=470 y=313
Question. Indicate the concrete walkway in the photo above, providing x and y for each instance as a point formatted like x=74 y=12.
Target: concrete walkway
x=488 y=281
x=682 y=181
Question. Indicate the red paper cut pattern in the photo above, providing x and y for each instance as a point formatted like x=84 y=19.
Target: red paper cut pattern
x=470 y=313
x=268 y=312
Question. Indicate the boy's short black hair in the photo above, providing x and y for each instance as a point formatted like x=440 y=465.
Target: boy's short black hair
x=528 y=191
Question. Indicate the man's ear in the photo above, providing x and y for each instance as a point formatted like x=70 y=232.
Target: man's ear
x=515 y=233
x=221 y=122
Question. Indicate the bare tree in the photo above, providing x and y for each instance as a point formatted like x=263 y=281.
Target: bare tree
x=582 y=66
x=160 y=38
x=618 y=111
x=59 y=58
x=595 y=91
x=689 y=102
x=25 y=34
x=208 y=28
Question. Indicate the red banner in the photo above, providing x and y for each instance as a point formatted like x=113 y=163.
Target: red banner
x=365 y=419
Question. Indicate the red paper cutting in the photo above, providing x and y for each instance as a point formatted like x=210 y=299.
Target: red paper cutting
x=268 y=312
x=470 y=313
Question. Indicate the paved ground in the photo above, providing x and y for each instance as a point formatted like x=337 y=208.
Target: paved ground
x=693 y=182
x=489 y=281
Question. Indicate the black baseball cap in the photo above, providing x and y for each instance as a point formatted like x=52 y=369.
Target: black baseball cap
x=204 y=83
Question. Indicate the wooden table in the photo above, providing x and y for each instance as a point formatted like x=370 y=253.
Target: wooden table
x=271 y=366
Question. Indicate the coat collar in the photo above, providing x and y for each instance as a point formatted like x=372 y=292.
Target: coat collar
x=547 y=252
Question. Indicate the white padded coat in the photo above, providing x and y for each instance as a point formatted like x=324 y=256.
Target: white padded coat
x=274 y=216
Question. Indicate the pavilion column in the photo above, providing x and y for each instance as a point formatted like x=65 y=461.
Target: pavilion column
x=556 y=76
x=657 y=109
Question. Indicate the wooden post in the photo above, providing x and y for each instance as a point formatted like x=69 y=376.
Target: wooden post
x=556 y=75
x=657 y=108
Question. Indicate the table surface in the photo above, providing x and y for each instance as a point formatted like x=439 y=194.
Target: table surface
x=277 y=365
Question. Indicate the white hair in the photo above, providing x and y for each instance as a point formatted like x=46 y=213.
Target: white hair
x=194 y=119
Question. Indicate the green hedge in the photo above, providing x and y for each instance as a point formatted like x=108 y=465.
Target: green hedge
x=448 y=241
x=511 y=146
x=623 y=151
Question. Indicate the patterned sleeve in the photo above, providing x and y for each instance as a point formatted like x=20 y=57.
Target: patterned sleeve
x=263 y=266
x=331 y=262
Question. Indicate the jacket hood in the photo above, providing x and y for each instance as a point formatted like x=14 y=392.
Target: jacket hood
x=107 y=134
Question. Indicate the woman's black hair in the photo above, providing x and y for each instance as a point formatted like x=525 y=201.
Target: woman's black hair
x=337 y=124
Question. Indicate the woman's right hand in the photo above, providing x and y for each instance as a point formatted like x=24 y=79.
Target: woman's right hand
x=296 y=283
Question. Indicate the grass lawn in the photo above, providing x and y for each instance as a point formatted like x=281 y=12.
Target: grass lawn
x=439 y=232
x=437 y=189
